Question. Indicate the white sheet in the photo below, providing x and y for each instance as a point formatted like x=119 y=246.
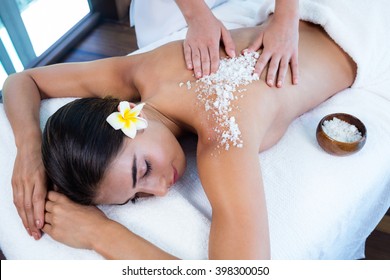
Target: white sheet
x=151 y=21
x=320 y=206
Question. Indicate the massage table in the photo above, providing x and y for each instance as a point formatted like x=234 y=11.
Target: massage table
x=320 y=206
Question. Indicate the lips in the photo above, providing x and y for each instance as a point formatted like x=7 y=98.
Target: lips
x=175 y=176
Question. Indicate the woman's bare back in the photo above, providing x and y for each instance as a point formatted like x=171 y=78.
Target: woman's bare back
x=324 y=70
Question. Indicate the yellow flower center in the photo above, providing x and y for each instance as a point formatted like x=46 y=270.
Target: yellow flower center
x=129 y=118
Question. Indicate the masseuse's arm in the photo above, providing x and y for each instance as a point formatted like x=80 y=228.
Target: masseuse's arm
x=204 y=35
x=22 y=94
x=233 y=184
x=279 y=41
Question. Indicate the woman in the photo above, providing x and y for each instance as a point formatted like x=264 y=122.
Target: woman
x=230 y=175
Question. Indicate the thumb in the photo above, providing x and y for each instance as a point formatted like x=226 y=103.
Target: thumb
x=256 y=44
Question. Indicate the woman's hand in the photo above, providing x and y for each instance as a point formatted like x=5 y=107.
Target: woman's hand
x=70 y=223
x=279 y=40
x=87 y=227
x=29 y=188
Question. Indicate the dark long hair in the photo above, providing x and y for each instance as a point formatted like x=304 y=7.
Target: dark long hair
x=78 y=145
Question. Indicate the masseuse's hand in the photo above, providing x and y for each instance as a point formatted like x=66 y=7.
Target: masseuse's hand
x=71 y=223
x=279 y=41
x=201 y=46
x=29 y=188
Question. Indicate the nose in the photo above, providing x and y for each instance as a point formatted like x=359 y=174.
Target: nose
x=160 y=190
x=158 y=187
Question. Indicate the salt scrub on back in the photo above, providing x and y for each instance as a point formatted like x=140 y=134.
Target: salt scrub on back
x=217 y=90
x=341 y=131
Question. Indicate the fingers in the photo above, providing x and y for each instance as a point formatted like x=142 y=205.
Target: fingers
x=49 y=213
x=276 y=69
x=56 y=197
x=29 y=199
x=18 y=197
x=39 y=207
x=47 y=228
x=29 y=210
x=283 y=66
x=48 y=207
x=27 y=206
x=192 y=58
x=188 y=56
x=214 y=58
x=196 y=63
x=49 y=218
x=294 y=69
x=49 y=224
x=201 y=48
x=203 y=61
x=227 y=40
x=261 y=63
x=272 y=70
x=256 y=45
x=52 y=196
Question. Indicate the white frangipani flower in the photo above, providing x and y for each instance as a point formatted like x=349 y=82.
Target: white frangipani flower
x=128 y=119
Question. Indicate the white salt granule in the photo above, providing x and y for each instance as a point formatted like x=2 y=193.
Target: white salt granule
x=341 y=130
x=217 y=90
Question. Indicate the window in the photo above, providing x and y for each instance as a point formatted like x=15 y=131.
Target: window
x=28 y=28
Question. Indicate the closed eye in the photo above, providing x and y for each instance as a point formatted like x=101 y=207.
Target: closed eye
x=148 y=168
x=134 y=199
x=147 y=172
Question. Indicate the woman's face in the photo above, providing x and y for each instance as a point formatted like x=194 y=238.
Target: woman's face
x=147 y=165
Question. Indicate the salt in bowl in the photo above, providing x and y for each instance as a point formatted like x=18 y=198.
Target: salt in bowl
x=336 y=147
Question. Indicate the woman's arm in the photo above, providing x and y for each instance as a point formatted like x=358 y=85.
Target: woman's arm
x=28 y=178
x=233 y=184
x=99 y=78
x=87 y=227
x=22 y=94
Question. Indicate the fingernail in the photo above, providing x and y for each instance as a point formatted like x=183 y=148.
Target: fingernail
x=295 y=81
x=279 y=83
x=256 y=76
x=232 y=53
x=35 y=235
x=245 y=51
x=38 y=223
x=28 y=231
x=198 y=74
x=189 y=66
x=270 y=82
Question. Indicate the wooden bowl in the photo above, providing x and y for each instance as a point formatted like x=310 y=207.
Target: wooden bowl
x=336 y=147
